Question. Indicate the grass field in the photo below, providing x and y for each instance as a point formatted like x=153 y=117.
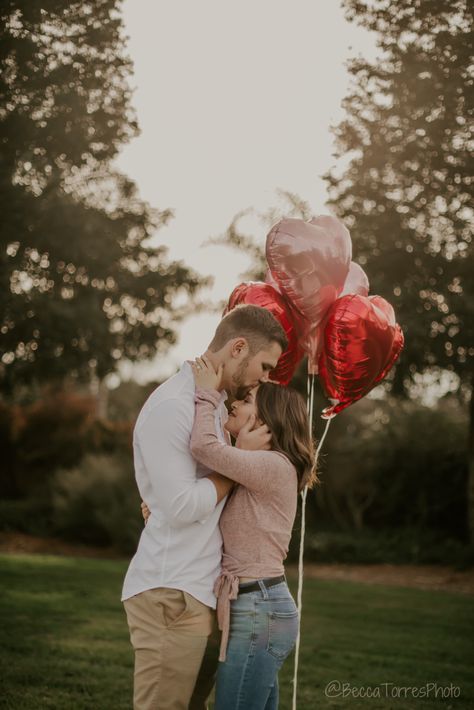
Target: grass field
x=64 y=641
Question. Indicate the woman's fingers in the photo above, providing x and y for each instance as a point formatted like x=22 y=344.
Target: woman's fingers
x=200 y=364
x=249 y=423
x=208 y=363
x=205 y=374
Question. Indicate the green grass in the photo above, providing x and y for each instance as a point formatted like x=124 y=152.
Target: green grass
x=64 y=640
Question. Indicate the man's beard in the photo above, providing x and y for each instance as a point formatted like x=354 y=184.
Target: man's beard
x=239 y=389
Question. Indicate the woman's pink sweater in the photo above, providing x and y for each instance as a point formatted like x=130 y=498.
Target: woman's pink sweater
x=258 y=517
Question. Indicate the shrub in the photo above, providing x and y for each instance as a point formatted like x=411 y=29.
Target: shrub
x=392 y=464
x=97 y=502
x=55 y=433
x=10 y=422
x=403 y=546
x=28 y=515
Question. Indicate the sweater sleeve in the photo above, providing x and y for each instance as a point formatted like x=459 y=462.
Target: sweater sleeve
x=256 y=470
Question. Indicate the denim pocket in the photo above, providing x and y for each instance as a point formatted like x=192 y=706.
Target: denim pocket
x=282 y=633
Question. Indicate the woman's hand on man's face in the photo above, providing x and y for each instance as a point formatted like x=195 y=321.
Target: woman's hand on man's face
x=251 y=439
x=205 y=375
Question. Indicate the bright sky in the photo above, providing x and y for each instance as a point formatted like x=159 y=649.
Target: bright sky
x=234 y=100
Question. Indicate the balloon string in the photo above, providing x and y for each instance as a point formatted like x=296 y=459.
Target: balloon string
x=299 y=598
x=328 y=422
x=304 y=493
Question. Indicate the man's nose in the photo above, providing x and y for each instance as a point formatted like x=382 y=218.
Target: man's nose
x=265 y=377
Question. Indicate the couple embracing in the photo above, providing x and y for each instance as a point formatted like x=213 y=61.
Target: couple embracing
x=219 y=522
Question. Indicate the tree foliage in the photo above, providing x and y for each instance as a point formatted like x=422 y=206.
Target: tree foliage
x=405 y=192
x=82 y=286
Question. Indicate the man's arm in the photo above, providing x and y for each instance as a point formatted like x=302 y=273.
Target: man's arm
x=163 y=441
x=223 y=485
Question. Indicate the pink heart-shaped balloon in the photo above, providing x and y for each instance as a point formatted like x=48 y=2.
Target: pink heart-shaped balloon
x=362 y=341
x=356 y=281
x=309 y=261
x=271 y=281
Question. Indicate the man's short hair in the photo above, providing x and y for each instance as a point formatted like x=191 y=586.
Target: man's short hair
x=257 y=325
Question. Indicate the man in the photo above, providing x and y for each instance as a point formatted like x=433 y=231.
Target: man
x=168 y=590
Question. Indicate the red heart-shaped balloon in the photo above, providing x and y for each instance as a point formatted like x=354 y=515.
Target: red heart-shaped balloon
x=309 y=261
x=356 y=282
x=264 y=295
x=362 y=341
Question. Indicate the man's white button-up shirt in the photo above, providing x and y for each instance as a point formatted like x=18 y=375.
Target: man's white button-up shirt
x=181 y=545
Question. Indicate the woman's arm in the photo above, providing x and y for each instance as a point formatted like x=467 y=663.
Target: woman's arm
x=256 y=470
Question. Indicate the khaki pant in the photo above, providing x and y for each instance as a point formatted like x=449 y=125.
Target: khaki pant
x=169 y=631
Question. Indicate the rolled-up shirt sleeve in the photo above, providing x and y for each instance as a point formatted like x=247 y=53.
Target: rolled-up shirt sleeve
x=163 y=442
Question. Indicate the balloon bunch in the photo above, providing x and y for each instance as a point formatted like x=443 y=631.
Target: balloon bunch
x=321 y=299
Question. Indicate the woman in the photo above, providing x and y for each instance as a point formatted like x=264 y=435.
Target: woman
x=256 y=612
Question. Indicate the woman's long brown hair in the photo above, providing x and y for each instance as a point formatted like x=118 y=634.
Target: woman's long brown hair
x=283 y=410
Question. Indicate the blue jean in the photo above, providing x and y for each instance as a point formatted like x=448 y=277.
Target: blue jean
x=263 y=630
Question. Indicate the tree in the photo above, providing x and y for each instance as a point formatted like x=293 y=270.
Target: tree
x=82 y=287
x=405 y=193
x=404 y=188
